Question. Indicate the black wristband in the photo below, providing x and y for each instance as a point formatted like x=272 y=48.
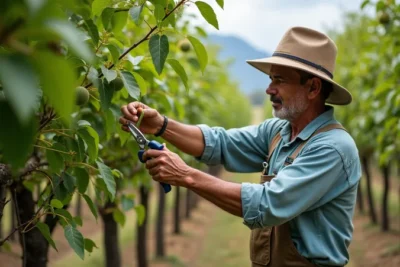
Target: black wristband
x=162 y=130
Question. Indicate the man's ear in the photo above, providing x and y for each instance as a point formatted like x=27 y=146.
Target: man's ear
x=315 y=87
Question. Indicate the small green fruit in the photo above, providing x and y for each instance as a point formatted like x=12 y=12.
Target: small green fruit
x=81 y=95
x=184 y=45
x=117 y=84
x=384 y=18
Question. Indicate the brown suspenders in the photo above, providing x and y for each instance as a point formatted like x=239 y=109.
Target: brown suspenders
x=277 y=138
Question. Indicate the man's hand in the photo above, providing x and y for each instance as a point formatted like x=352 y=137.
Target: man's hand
x=152 y=120
x=167 y=167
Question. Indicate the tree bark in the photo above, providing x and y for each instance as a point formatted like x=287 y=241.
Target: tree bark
x=5 y=181
x=372 y=213
x=110 y=235
x=177 y=211
x=360 y=198
x=36 y=246
x=386 y=184
x=160 y=248
x=141 y=245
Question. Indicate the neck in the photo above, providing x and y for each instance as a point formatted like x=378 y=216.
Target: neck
x=304 y=119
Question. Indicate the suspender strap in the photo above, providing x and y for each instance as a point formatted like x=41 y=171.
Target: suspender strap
x=274 y=143
x=321 y=130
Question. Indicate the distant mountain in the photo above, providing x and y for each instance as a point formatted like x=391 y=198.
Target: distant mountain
x=250 y=79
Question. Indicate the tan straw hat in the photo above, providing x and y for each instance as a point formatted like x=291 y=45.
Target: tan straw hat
x=310 y=51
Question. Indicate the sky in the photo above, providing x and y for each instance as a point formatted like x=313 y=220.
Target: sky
x=262 y=23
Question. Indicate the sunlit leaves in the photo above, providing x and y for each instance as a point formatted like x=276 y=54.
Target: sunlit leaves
x=221 y=3
x=141 y=83
x=106 y=93
x=99 y=5
x=135 y=12
x=91 y=138
x=208 y=13
x=75 y=240
x=106 y=175
x=56 y=203
x=89 y=245
x=130 y=84
x=140 y=213
x=119 y=217
x=179 y=70
x=106 y=16
x=159 y=49
x=201 y=52
x=20 y=85
x=159 y=13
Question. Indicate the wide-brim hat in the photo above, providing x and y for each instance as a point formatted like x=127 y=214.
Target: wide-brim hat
x=311 y=51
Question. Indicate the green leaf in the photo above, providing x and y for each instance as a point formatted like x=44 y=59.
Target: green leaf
x=75 y=240
x=221 y=3
x=130 y=84
x=119 y=217
x=59 y=189
x=72 y=37
x=44 y=229
x=159 y=49
x=127 y=203
x=56 y=161
x=109 y=74
x=114 y=52
x=201 y=52
x=108 y=178
x=140 y=213
x=58 y=82
x=89 y=245
x=171 y=17
x=140 y=81
x=65 y=217
x=99 y=5
x=135 y=12
x=159 y=13
x=364 y=4
x=56 y=203
x=179 y=70
x=20 y=85
x=91 y=205
x=208 y=13
x=106 y=17
x=78 y=219
x=91 y=139
x=16 y=140
x=82 y=179
x=93 y=31
x=118 y=21
x=110 y=123
x=106 y=93
x=69 y=182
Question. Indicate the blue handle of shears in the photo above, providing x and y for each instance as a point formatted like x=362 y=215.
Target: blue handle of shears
x=155 y=145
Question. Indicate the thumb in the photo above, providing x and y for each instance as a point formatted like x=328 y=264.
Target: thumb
x=165 y=147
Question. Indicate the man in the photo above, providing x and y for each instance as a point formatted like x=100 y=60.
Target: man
x=301 y=213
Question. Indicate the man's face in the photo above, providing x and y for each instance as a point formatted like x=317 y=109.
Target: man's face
x=288 y=96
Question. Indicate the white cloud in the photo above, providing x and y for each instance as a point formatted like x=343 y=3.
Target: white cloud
x=263 y=22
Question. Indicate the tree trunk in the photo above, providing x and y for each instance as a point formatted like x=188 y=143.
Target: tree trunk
x=385 y=216
x=78 y=208
x=110 y=234
x=5 y=180
x=35 y=247
x=141 y=245
x=188 y=206
x=371 y=205
x=160 y=248
x=177 y=211
x=360 y=198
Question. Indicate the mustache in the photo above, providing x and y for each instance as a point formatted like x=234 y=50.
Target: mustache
x=275 y=99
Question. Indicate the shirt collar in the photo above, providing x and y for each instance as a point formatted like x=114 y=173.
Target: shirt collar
x=314 y=125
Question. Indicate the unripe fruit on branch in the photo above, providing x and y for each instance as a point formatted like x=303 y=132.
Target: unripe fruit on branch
x=81 y=95
x=184 y=45
x=384 y=18
x=117 y=84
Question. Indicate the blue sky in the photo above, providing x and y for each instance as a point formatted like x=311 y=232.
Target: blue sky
x=263 y=22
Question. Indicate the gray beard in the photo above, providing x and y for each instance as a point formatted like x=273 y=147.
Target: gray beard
x=292 y=111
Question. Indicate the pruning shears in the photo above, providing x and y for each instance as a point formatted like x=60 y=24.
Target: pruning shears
x=143 y=142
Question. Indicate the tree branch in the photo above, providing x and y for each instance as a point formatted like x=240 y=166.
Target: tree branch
x=5 y=181
x=21 y=234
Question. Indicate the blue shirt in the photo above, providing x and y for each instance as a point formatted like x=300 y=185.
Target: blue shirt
x=316 y=194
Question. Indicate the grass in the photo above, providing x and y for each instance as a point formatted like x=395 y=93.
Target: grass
x=227 y=242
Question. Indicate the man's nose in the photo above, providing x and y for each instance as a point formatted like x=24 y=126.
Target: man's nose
x=271 y=91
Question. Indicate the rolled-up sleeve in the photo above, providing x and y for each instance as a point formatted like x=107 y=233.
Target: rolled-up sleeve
x=239 y=150
x=315 y=177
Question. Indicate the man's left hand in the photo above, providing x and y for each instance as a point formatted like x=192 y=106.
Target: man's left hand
x=166 y=166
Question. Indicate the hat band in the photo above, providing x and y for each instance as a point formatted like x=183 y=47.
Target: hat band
x=309 y=63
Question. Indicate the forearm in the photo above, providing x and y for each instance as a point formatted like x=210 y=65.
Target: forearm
x=187 y=138
x=226 y=195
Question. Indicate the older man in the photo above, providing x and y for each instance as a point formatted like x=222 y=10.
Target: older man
x=301 y=212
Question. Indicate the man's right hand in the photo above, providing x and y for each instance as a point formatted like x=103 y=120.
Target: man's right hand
x=152 y=120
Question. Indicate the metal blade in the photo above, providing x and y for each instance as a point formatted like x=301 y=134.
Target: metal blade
x=138 y=135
